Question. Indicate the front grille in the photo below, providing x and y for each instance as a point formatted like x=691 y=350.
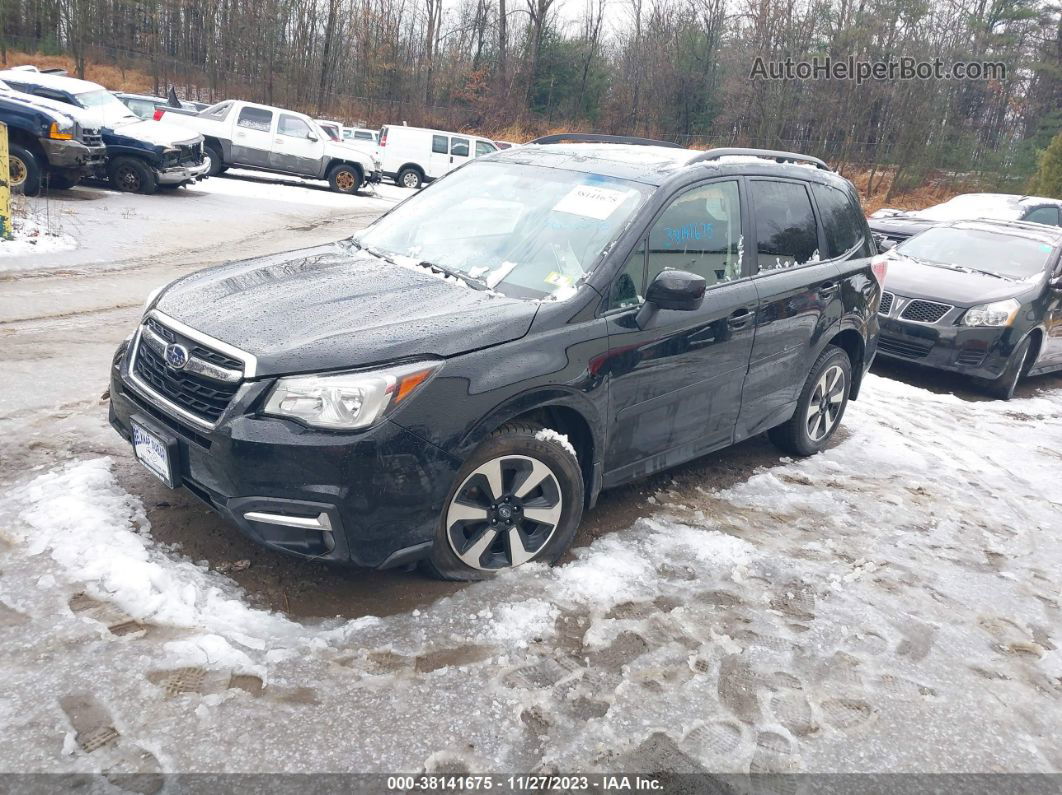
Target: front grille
x=200 y=396
x=190 y=154
x=886 y=303
x=90 y=136
x=921 y=311
x=902 y=346
x=220 y=359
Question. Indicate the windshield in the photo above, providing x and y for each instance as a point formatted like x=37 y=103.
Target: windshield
x=525 y=231
x=108 y=108
x=974 y=205
x=990 y=252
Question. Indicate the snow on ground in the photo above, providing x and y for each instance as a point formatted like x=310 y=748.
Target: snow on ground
x=29 y=236
x=890 y=605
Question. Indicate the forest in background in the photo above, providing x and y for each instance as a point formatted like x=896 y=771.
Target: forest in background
x=672 y=69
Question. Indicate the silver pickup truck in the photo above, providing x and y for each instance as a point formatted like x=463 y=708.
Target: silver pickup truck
x=246 y=135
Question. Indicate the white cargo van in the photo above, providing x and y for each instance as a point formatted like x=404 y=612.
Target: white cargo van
x=412 y=156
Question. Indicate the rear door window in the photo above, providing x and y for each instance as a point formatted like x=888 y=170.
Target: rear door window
x=841 y=221
x=258 y=119
x=440 y=144
x=786 y=233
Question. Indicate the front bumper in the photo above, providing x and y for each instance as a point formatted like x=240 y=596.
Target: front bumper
x=370 y=499
x=73 y=154
x=975 y=351
x=175 y=175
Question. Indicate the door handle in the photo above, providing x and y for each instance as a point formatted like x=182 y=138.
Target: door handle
x=739 y=318
x=828 y=289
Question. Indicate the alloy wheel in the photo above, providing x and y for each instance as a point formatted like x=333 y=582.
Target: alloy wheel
x=504 y=513
x=128 y=179
x=825 y=405
x=409 y=179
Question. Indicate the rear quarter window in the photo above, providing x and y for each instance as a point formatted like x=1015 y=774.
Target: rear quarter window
x=841 y=220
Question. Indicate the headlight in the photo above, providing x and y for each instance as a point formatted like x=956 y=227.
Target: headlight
x=347 y=401
x=61 y=131
x=999 y=313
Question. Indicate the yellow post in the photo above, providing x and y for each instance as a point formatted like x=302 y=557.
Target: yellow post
x=5 y=186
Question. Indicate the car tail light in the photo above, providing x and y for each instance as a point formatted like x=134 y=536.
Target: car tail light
x=383 y=137
x=880 y=266
x=158 y=114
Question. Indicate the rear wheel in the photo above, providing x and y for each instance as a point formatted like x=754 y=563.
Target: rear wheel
x=25 y=171
x=410 y=178
x=518 y=498
x=344 y=179
x=820 y=407
x=1004 y=386
x=130 y=175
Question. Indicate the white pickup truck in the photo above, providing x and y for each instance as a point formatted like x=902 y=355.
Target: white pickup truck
x=246 y=135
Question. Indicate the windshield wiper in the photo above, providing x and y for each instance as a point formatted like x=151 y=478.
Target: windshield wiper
x=471 y=281
x=950 y=266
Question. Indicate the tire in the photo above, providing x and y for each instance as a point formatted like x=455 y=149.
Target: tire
x=471 y=549
x=130 y=175
x=344 y=179
x=820 y=407
x=409 y=177
x=25 y=171
x=1003 y=387
x=60 y=181
x=213 y=155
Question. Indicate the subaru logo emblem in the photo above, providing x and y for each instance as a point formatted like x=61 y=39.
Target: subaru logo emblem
x=176 y=356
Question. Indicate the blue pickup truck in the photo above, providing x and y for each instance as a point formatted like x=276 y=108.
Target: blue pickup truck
x=47 y=146
x=142 y=156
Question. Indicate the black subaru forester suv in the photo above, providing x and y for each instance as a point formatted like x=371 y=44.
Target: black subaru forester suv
x=458 y=382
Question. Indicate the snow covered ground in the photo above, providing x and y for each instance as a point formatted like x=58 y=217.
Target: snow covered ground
x=892 y=604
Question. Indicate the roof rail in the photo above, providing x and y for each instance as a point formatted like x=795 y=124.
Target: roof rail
x=594 y=138
x=767 y=154
x=53 y=70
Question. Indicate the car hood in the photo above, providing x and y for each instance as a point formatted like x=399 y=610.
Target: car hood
x=913 y=279
x=349 y=151
x=335 y=307
x=60 y=111
x=158 y=133
x=902 y=225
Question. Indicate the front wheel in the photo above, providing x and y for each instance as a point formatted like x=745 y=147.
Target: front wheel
x=518 y=498
x=130 y=175
x=1004 y=386
x=344 y=179
x=214 y=161
x=820 y=407
x=25 y=171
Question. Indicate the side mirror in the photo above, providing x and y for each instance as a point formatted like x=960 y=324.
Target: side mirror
x=884 y=243
x=1055 y=283
x=677 y=290
x=311 y=137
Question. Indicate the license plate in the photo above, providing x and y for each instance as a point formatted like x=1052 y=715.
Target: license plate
x=153 y=453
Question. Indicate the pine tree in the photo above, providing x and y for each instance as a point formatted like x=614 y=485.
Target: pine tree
x=1048 y=180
